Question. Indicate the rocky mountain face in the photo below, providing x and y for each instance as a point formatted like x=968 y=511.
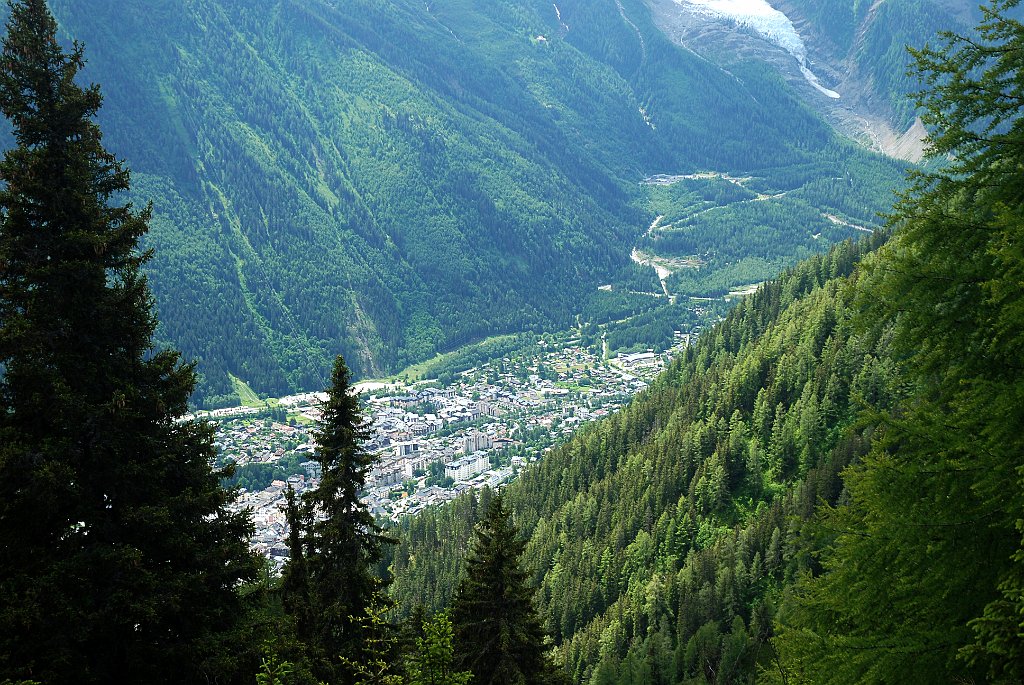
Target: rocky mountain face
x=847 y=60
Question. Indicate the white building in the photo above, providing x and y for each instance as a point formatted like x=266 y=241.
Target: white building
x=638 y=359
x=417 y=462
x=468 y=466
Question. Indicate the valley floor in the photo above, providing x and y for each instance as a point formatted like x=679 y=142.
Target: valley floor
x=432 y=441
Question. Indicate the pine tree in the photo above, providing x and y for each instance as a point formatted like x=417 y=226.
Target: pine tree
x=499 y=636
x=336 y=539
x=119 y=559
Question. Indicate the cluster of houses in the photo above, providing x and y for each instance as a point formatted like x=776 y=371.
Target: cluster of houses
x=268 y=518
x=417 y=429
x=262 y=441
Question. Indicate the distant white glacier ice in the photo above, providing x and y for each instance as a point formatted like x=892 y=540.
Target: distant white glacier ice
x=767 y=21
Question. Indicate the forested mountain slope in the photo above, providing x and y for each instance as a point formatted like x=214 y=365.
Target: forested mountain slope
x=838 y=462
x=661 y=537
x=388 y=179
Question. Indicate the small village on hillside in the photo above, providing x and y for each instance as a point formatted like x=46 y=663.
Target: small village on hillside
x=431 y=441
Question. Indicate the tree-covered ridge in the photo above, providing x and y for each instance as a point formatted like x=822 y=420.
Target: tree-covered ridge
x=923 y=569
x=662 y=536
x=839 y=462
x=391 y=179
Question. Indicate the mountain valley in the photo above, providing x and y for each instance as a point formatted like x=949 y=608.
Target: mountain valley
x=588 y=342
x=394 y=181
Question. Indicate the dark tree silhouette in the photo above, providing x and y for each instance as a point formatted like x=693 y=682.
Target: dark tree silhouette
x=119 y=560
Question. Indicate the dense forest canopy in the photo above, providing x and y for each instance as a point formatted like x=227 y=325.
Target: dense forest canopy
x=938 y=499
x=826 y=488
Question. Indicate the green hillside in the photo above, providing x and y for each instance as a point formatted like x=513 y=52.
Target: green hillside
x=390 y=180
x=826 y=488
x=662 y=537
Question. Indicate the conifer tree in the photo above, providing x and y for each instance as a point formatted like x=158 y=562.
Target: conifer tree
x=119 y=560
x=335 y=539
x=925 y=581
x=499 y=636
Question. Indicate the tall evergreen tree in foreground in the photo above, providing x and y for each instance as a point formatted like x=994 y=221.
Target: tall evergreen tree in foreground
x=925 y=579
x=499 y=636
x=329 y=584
x=119 y=561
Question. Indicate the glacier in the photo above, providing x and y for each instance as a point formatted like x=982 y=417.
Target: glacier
x=768 y=22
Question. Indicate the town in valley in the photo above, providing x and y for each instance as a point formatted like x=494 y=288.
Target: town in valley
x=432 y=441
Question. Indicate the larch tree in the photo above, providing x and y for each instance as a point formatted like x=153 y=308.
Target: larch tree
x=924 y=581
x=119 y=557
x=432 y=661
x=329 y=584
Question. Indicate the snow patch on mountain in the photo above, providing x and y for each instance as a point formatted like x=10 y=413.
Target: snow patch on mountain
x=766 y=21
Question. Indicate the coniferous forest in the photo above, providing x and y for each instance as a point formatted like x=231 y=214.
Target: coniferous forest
x=825 y=487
